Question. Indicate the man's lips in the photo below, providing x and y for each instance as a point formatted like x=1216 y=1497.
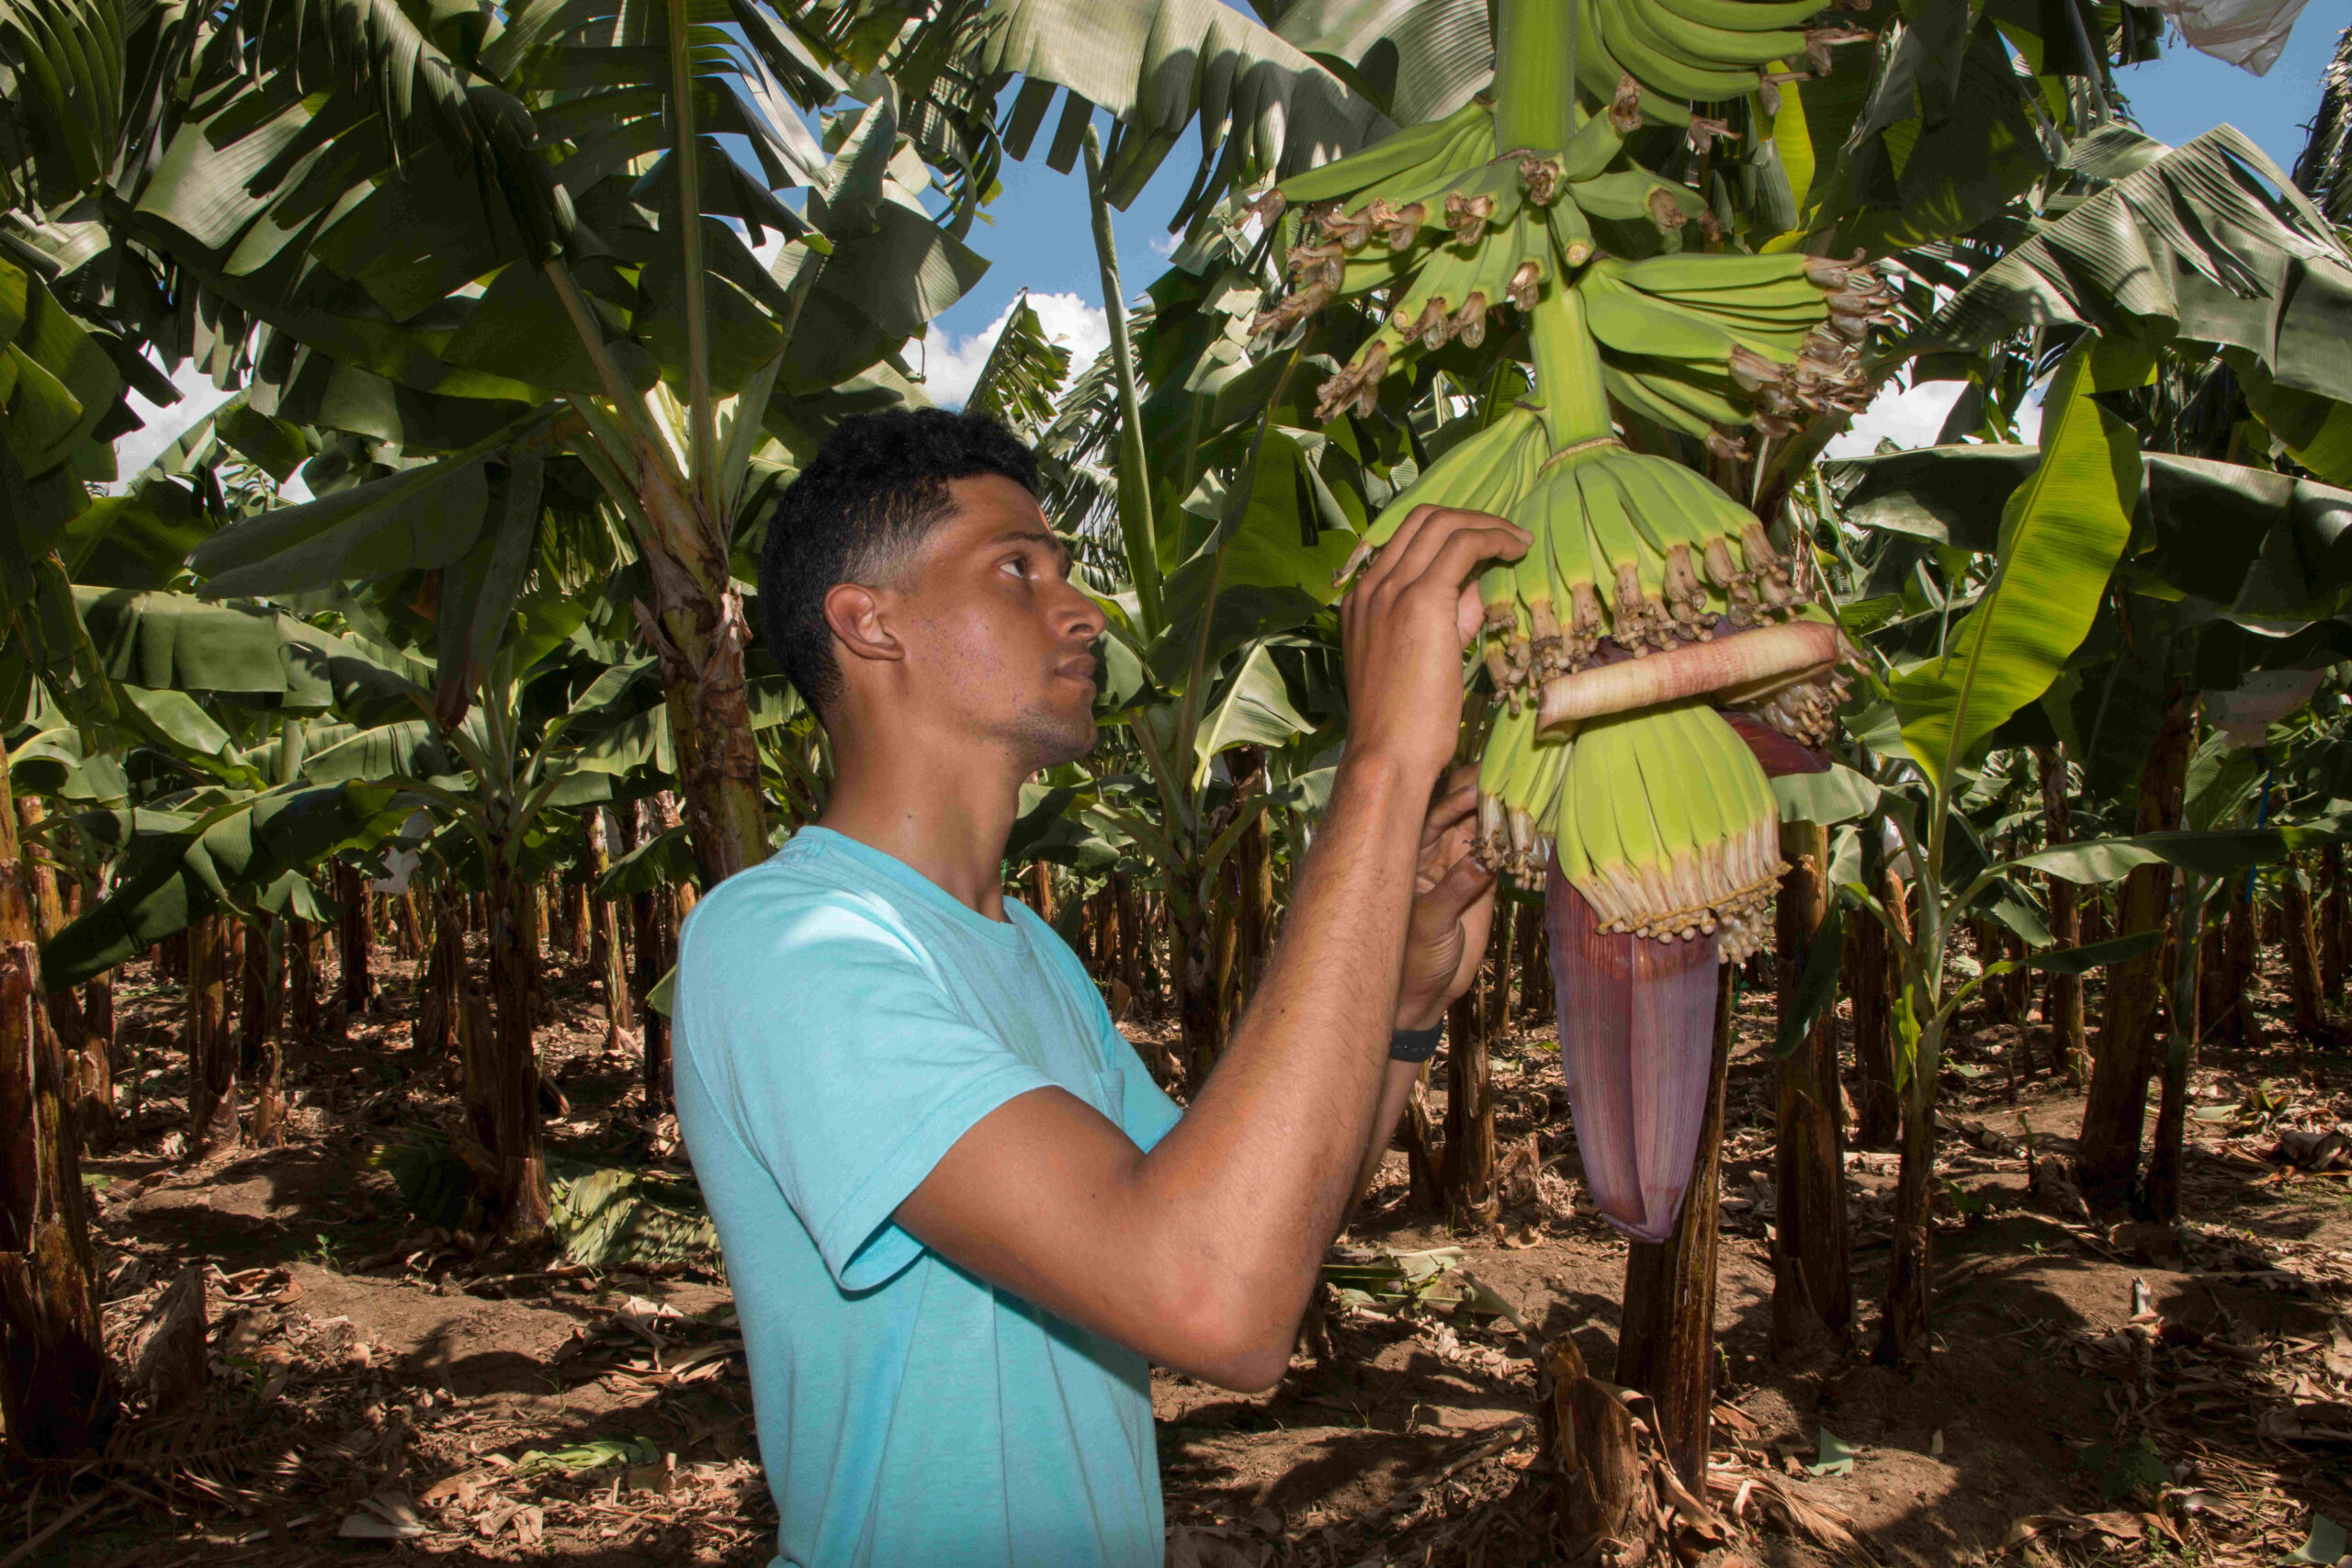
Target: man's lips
x=1079 y=669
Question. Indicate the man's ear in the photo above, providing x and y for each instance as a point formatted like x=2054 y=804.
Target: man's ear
x=854 y=613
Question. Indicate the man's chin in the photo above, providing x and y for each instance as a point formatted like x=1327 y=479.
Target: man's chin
x=1077 y=740
x=1052 y=739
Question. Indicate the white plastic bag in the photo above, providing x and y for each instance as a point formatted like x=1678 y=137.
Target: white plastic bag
x=2249 y=34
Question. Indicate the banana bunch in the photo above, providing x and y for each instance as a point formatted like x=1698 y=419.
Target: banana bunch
x=1692 y=849
x=1697 y=343
x=1634 y=555
x=1687 y=51
x=1450 y=232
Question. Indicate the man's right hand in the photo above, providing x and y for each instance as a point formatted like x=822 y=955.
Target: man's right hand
x=1404 y=626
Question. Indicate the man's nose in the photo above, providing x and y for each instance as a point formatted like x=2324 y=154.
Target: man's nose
x=1081 y=619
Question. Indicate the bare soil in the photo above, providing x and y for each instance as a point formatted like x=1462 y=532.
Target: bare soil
x=385 y=1392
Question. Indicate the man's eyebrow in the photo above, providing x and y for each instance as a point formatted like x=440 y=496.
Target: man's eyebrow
x=1033 y=535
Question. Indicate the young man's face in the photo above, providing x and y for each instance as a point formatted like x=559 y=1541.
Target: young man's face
x=997 y=632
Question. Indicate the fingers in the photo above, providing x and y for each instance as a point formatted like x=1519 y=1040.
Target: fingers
x=1417 y=547
x=1450 y=810
x=1451 y=546
x=1465 y=884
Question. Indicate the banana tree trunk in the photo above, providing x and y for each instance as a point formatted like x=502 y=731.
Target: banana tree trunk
x=542 y=1006
x=357 y=933
x=1499 y=953
x=49 y=914
x=2303 y=954
x=1135 y=939
x=2018 y=982
x=261 y=1062
x=2330 y=923
x=2062 y=1000
x=437 y=980
x=1904 y=1334
x=519 y=1194
x=2214 y=1008
x=57 y=1396
x=97 y=1051
x=2162 y=1188
x=1226 y=945
x=1191 y=940
x=1529 y=958
x=1666 y=1347
x=1603 y=1497
x=303 y=980
x=2097 y=926
x=697 y=631
x=652 y=963
x=211 y=1053
x=620 y=1015
x=1470 y=1100
x=2108 y=1156
x=645 y=941
x=1253 y=862
x=2243 y=953
x=1871 y=978
x=1813 y=1288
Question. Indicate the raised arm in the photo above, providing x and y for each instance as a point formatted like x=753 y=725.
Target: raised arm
x=1201 y=1253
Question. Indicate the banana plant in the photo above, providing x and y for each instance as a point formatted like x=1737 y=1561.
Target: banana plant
x=583 y=248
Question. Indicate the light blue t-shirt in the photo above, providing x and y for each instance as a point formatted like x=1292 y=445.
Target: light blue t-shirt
x=841 y=1021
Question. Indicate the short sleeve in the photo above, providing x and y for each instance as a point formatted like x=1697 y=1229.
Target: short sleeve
x=1146 y=1113
x=837 y=1056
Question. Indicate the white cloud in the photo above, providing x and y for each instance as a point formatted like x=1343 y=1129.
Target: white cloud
x=1912 y=416
x=954 y=364
x=163 y=426
x=1165 y=244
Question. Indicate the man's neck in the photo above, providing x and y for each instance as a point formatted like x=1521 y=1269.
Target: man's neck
x=944 y=807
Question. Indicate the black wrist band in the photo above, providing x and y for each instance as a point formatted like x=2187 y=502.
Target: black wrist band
x=1415 y=1045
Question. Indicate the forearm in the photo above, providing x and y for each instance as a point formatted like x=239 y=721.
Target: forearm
x=1263 y=1166
x=1396 y=1092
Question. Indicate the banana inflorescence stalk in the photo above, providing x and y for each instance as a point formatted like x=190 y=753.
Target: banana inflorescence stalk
x=1651 y=603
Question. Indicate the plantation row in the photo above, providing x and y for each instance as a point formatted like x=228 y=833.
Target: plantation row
x=547 y=308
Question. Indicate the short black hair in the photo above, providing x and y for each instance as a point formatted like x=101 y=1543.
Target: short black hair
x=875 y=489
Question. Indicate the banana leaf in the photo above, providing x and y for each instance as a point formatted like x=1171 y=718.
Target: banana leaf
x=175 y=871
x=1024 y=374
x=1416 y=60
x=2062 y=534
x=2208 y=237
x=1254 y=709
x=2213 y=853
x=1264 y=105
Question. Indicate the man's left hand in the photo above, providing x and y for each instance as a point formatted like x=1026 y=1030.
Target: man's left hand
x=1453 y=907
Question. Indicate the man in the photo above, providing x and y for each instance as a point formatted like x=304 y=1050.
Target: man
x=959 y=1217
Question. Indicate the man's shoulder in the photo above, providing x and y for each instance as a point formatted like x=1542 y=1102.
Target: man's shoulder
x=801 y=895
